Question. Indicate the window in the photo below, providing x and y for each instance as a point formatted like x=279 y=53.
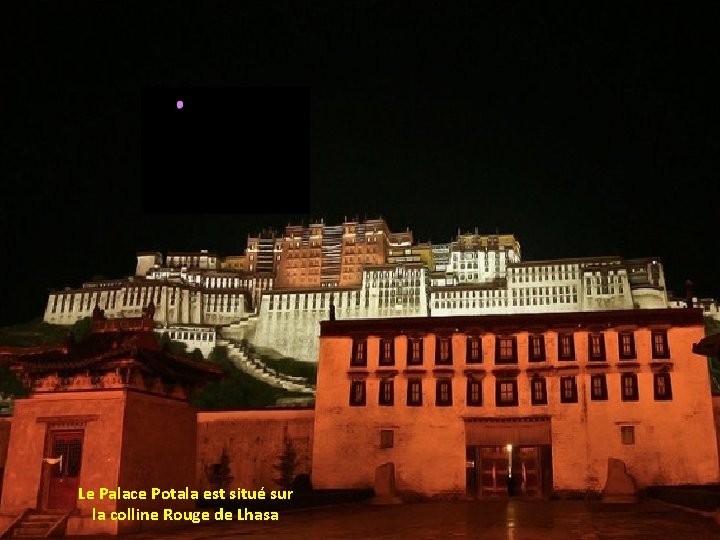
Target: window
x=443 y=350
x=568 y=390
x=474 y=392
x=387 y=351
x=414 y=392
x=474 y=350
x=359 y=352
x=538 y=391
x=537 y=348
x=627 y=434
x=415 y=351
x=598 y=388
x=386 y=438
x=505 y=350
x=357 y=393
x=626 y=342
x=629 y=387
x=661 y=384
x=443 y=392
x=387 y=392
x=659 y=344
x=506 y=393
x=566 y=347
x=596 y=347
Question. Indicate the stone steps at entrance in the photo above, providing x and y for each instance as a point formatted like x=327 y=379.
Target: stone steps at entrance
x=39 y=524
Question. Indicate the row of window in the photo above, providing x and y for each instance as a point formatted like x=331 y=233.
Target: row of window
x=506 y=349
x=506 y=391
x=192 y=336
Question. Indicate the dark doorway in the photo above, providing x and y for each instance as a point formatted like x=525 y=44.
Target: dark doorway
x=64 y=469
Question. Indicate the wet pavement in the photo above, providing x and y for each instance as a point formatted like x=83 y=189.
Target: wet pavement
x=486 y=520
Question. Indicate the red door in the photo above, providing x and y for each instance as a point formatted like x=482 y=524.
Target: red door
x=64 y=475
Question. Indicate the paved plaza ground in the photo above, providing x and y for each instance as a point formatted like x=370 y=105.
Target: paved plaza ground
x=486 y=520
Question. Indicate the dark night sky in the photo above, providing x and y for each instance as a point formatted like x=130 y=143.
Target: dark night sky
x=583 y=129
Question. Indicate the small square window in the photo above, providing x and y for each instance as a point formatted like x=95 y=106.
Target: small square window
x=386 y=438
x=505 y=350
x=627 y=434
x=506 y=393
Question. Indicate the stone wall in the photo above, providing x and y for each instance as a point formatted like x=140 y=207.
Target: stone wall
x=674 y=440
x=252 y=442
x=4 y=442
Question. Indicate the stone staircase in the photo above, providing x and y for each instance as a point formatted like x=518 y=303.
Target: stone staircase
x=253 y=365
x=38 y=524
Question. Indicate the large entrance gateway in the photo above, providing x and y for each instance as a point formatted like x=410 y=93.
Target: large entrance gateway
x=63 y=472
x=508 y=457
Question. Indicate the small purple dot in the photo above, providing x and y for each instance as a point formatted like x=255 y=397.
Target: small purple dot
x=180 y=104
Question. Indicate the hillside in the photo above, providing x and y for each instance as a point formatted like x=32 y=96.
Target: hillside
x=238 y=390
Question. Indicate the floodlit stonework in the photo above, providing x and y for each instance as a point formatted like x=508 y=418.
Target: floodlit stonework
x=535 y=401
x=276 y=293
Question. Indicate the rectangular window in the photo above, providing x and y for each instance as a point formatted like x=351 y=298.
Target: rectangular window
x=566 y=347
x=629 y=387
x=359 y=352
x=443 y=350
x=627 y=434
x=415 y=351
x=506 y=393
x=505 y=350
x=387 y=351
x=663 y=389
x=474 y=350
x=443 y=392
x=386 y=438
x=537 y=348
x=659 y=344
x=474 y=393
x=539 y=391
x=568 y=390
x=626 y=343
x=357 y=393
x=596 y=347
x=387 y=392
x=414 y=392
x=598 y=388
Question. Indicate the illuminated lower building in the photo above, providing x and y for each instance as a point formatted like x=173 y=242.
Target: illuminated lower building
x=535 y=403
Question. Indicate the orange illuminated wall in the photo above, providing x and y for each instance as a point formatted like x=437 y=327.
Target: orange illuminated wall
x=653 y=409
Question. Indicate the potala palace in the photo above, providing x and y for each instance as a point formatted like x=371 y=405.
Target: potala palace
x=277 y=292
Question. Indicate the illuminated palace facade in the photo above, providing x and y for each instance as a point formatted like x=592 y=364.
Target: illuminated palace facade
x=278 y=291
x=527 y=403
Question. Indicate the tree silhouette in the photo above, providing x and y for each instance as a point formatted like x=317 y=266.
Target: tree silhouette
x=287 y=463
